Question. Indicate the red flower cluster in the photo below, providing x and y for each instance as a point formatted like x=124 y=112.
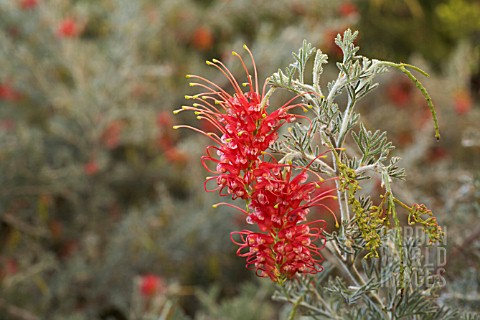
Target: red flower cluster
x=247 y=130
x=277 y=201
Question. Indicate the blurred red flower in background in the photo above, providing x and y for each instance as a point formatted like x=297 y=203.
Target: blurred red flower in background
x=91 y=167
x=348 y=9
x=111 y=135
x=166 y=139
x=400 y=92
x=8 y=267
x=7 y=125
x=68 y=28
x=462 y=102
x=28 y=4
x=202 y=38
x=151 y=284
x=173 y=155
x=8 y=93
x=164 y=119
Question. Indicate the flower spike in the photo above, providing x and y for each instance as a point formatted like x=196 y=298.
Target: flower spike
x=278 y=196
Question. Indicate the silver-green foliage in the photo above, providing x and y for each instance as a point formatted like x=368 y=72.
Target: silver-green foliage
x=354 y=286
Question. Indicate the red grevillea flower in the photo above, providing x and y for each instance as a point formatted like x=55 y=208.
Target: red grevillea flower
x=277 y=200
x=246 y=128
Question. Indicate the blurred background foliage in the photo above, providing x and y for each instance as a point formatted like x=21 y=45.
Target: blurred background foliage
x=102 y=208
